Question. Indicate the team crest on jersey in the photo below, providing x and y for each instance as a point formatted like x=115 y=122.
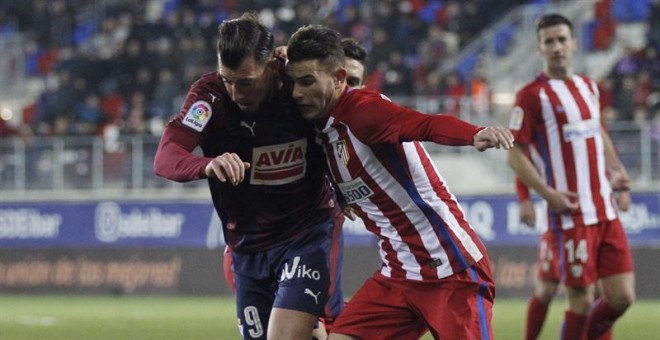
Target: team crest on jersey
x=198 y=115
x=342 y=151
x=515 y=123
x=577 y=270
x=279 y=164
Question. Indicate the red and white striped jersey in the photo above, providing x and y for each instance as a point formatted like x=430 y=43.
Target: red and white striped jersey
x=561 y=119
x=386 y=175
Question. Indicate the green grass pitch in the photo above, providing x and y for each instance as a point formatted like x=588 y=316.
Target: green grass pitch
x=156 y=317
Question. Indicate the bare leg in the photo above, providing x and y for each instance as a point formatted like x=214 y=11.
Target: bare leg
x=287 y=324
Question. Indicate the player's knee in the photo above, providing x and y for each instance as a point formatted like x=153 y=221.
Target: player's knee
x=546 y=291
x=623 y=300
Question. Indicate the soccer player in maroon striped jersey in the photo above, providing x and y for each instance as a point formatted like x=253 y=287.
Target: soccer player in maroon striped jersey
x=559 y=113
x=268 y=182
x=436 y=273
x=356 y=56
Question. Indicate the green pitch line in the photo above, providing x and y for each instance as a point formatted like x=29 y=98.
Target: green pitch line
x=156 y=317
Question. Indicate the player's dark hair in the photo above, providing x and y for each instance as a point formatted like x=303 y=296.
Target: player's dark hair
x=244 y=37
x=353 y=50
x=316 y=42
x=553 y=19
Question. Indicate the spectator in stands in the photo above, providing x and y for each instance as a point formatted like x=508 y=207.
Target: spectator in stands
x=480 y=94
x=135 y=121
x=397 y=79
x=628 y=64
x=624 y=97
x=166 y=90
x=89 y=116
x=454 y=92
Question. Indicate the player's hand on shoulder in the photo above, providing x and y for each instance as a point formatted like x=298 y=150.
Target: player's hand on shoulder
x=563 y=202
x=493 y=137
x=227 y=167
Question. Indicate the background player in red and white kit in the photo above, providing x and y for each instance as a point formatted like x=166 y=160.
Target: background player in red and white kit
x=547 y=262
x=268 y=183
x=559 y=114
x=435 y=273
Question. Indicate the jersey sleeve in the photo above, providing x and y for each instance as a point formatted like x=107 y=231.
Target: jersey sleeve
x=174 y=158
x=377 y=120
x=525 y=115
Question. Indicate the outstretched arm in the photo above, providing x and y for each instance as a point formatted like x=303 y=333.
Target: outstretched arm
x=174 y=159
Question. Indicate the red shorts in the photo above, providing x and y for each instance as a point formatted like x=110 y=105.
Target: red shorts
x=594 y=252
x=547 y=262
x=456 y=307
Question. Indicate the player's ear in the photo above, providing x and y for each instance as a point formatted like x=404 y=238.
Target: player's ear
x=340 y=77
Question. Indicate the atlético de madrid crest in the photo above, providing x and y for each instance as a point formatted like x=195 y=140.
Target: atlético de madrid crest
x=342 y=151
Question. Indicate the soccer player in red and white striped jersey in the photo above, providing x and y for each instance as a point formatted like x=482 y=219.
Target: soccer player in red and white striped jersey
x=559 y=114
x=435 y=273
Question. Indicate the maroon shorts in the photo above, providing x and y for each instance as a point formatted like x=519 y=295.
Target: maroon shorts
x=589 y=253
x=456 y=307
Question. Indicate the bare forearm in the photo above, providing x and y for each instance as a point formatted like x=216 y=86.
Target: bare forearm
x=612 y=160
x=174 y=159
x=526 y=171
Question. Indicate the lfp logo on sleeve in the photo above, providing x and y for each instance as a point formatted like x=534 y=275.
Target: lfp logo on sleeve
x=198 y=115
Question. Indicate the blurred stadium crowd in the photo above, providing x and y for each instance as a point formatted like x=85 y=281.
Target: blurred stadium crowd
x=126 y=64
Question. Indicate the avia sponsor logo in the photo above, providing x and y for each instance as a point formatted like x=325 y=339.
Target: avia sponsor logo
x=299 y=271
x=581 y=130
x=28 y=224
x=279 y=164
x=111 y=224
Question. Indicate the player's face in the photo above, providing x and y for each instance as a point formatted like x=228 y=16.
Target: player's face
x=314 y=87
x=557 y=44
x=248 y=84
x=354 y=73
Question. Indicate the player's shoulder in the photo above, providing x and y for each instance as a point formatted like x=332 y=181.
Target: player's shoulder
x=533 y=87
x=204 y=101
x=590 y=82
x=209 y=81
x=364 y=96
x=210 y=89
